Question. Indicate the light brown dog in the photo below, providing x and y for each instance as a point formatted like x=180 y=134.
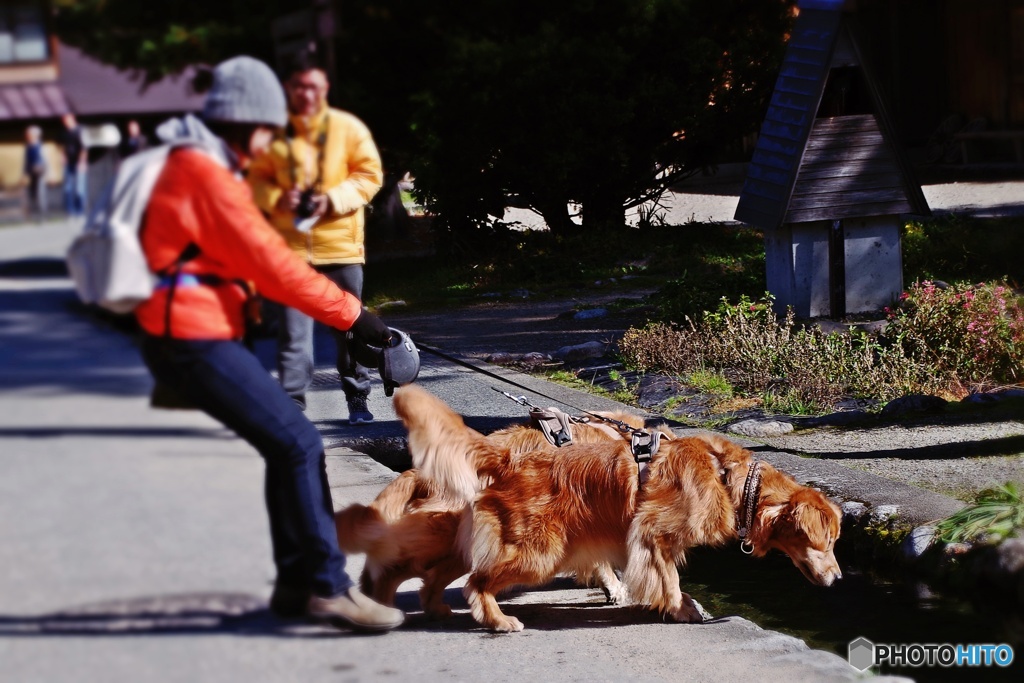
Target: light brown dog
x=409 y=530
x=543 y=513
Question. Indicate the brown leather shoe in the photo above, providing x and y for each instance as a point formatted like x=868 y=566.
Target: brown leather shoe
x=289 y=602
x=352 y=609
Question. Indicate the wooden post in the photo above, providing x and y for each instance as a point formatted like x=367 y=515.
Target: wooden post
x=837 y=271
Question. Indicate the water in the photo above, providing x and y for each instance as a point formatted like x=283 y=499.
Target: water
x=772 y=593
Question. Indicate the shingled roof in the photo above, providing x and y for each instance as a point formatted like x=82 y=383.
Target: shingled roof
x=806 y=168
x=89 y=87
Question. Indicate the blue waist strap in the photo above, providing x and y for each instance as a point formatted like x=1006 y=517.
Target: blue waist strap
x=188 y=280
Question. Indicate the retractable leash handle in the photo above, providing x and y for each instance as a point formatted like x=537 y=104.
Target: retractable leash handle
x=397 y=361
x=400 y=362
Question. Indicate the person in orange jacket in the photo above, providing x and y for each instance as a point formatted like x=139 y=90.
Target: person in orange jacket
x=209 y=241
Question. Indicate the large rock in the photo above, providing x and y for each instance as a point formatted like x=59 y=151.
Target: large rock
x=918 y=541
x=913 y=403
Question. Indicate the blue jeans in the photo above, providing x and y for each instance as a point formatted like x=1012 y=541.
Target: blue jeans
x=74 y=190
x=295 y=342
x=227 y=382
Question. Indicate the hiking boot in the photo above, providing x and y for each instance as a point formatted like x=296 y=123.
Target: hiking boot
x=288 y=602
x=358 y=413
x=352 y=609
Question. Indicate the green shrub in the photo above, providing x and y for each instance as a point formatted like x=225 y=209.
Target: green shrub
x=973 y=334
x=791 y=367
x=996 y=512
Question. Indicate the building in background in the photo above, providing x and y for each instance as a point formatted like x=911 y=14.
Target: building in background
x=41 y=79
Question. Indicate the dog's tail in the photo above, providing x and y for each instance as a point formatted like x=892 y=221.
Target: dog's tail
x=443 y=448
x=391 y=502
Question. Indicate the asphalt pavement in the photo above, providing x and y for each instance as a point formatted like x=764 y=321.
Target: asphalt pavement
x=135 y=546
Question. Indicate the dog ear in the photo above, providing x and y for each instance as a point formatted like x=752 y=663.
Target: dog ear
x=817 y=520
x=769 y=514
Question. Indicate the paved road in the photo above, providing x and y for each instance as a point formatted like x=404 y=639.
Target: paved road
x=135 y=548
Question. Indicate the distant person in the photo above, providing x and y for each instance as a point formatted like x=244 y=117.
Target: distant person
x=207 y=239
x=134 y=140
x=35 y=169
x=75 y=166
x=314 y=183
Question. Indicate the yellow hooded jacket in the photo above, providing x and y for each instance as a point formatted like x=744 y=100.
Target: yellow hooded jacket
x=351 y=177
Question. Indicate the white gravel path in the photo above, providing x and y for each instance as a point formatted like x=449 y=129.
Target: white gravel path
x=705 y=202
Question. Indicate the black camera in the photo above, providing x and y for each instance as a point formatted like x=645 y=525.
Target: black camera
x=306 y=206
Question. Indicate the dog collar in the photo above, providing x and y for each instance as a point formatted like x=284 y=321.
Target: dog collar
x=748 y=506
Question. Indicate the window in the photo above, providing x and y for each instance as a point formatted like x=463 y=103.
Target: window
x=22 y=33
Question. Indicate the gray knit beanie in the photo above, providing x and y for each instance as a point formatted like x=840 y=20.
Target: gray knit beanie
x=245 y=90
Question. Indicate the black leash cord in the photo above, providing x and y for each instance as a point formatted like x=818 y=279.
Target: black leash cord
x=521 y=400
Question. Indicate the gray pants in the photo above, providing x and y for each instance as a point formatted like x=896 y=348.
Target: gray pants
x=295 y=342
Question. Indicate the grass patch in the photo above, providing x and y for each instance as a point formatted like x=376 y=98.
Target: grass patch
x=710 y=382
x=621 y=395
x=693 y=266
x=420 y=282
x=996 y=513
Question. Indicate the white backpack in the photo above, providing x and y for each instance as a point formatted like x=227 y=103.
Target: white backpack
x=106 y=261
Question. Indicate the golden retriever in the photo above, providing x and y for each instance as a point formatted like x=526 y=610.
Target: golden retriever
x=409 y=530
x=542 y=512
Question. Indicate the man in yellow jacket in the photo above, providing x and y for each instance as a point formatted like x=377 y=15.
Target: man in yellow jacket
x=313 y=183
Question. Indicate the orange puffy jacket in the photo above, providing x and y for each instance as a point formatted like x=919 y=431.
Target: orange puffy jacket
x=197 y=201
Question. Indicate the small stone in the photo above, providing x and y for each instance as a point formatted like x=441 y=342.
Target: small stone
x=591 y=349
x=760 y=428
x=1011 y=556
x=956 y=549
x=882 y=513
x=535 y=358
x=853 y=510
x=590 y=314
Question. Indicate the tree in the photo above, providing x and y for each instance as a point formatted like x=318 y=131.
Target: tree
x=161 y=38
x=601 y=104
x=540 y=104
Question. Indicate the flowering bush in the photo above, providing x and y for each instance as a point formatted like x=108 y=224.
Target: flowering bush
x=940 y=339
x=970 y=333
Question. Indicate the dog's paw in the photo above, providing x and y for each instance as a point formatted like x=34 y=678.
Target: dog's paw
x=688 y=612
x=617 y=594
x=507 y=625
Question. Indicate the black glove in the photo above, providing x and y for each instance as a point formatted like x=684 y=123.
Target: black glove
x=371 y=330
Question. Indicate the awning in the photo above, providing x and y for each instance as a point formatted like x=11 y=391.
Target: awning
x=32 y=101
x=90 y=88
x=93 y=88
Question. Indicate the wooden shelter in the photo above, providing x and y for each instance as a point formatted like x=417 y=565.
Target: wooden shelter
x=828 y=181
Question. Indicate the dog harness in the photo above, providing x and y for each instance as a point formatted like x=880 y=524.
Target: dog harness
x=556 y=426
